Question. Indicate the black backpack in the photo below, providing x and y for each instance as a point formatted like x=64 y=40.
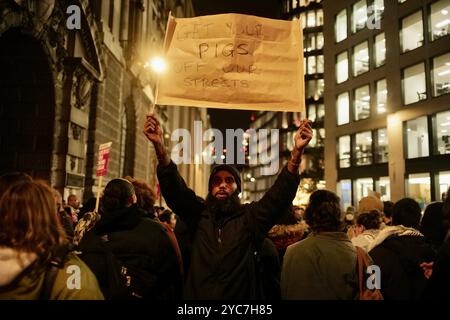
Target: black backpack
x=123 y=281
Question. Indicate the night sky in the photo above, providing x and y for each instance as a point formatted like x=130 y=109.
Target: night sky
x=223 y=119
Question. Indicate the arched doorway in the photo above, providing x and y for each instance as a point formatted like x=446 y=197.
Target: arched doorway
x=27 y=106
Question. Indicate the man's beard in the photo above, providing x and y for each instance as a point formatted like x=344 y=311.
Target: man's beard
x=223 y=208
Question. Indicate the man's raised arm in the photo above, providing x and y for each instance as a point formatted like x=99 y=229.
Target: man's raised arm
x=178 y=196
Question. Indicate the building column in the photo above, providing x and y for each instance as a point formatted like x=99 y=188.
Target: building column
x=396 y=159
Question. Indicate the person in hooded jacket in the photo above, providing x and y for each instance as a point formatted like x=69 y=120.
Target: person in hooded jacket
x=399 y=250
x=227 y=234
x=135 y=240
x=438 y=271
x=32 y=241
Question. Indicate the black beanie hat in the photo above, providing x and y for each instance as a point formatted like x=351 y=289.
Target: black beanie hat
x=225 y=167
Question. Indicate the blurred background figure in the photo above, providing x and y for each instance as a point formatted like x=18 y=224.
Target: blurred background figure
x=34 y=251
x=145 y=196
x=387 y=212
x=432 y=225
x=287 y=231
x=366 y=229
x=64 y=217
x=349 y=219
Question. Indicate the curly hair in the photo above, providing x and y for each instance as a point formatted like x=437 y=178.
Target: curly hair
x=29 y=220
x=324 y=212
x=369 y=220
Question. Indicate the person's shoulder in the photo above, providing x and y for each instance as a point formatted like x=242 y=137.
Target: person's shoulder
x=75 y=281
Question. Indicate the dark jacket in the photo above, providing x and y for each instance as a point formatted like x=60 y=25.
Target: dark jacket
x=399 y=257
x=223 y=261
x=137 y=241
x=439 y=283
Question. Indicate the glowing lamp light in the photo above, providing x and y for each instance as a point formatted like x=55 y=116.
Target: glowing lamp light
x=157 y=64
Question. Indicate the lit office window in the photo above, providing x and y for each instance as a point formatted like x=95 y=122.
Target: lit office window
x=444 y=183
x=320 y=64
x=343 y=108
x=440 y=19
x=363 y=148
x=344 y=151
x=314 y=89
x=441 y=75
x=319 y=17
x=380 y=50
x=381 y=147
x=344 y=191
x=414 y=86
x=363 y=187
x=310 y=42
x=312 y=112
x=311 y=19
x=417 y=138
x=359 y=16
x=443 y=132
x=419 y=188
x=340 y=27
x=412 y=32
x=342 y=67
x=381 y=96
x=321 y=112
x=313 y=142
x=362 y=103
x=319 y=41
x=378 y=8
x=302 y=20
x=312 y=67
x=360 y=59
x=383 y=186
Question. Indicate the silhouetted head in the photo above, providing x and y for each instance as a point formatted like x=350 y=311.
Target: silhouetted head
x=118 y=194
x=406 y=212
x=323 y=212
x=432 y=223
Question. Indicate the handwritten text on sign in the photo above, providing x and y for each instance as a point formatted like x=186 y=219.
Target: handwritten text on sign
x=233 y=61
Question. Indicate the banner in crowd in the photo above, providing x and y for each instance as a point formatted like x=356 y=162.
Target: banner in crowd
x=103 y=159
x=233 y=61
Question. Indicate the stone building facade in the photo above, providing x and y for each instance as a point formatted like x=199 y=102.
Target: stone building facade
x=63 y=91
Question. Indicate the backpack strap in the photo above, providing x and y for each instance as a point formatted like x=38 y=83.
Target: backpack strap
x=55 y=265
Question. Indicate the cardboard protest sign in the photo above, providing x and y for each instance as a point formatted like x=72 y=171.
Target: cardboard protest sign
x=233 y=61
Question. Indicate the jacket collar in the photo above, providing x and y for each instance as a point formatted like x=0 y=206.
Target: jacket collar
x=393 y=231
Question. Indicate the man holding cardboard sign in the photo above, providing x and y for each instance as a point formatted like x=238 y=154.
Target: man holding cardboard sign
x=225 y=261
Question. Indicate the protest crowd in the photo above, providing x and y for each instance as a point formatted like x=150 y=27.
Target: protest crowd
x=217 y=248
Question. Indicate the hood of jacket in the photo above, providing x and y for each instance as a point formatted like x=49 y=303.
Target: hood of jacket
x=118 y=220
x=13 y=263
